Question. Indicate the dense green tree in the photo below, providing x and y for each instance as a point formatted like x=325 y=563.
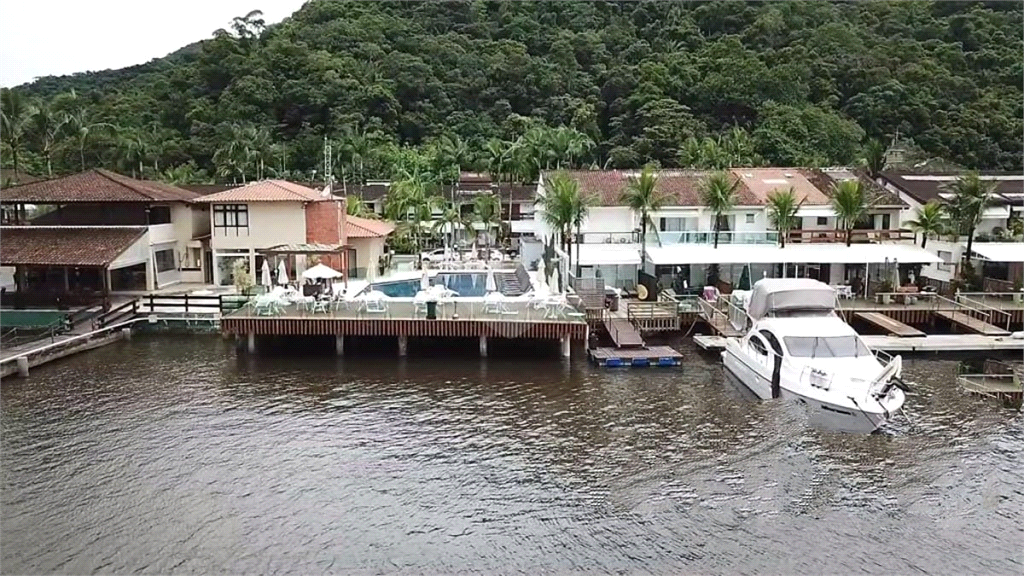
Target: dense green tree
x=971 y=195
x=16 y=115
x=785 y=83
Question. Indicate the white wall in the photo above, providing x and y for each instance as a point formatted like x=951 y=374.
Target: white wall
x=610 y=219
x=270 y=224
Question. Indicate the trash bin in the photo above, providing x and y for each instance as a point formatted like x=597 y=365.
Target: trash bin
x=431 y=310
x=611 y=301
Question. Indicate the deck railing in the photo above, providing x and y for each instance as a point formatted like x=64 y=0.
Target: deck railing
x=997 y=285
x=995 y=314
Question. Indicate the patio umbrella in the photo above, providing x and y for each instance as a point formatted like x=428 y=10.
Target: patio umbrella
x=424 y=281
x=744 y=283
x=541 y=279
x=555 y=285
x=282 y=273
x=321 y=272
x=492 y=284
x=266 y=279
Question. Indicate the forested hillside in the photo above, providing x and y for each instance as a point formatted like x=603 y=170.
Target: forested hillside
x=440 y=86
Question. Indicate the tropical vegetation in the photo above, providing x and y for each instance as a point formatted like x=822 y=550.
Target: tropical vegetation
x=564 y=208
x=782 y=209
x=404 y=86
x=850 y=203
x=643 y=197
x=930 y=221
x=718 y=193
x=966 y=208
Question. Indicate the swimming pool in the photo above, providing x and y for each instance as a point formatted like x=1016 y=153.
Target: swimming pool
x=469 y=284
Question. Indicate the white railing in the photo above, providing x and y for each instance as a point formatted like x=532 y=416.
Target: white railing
x=708 y=237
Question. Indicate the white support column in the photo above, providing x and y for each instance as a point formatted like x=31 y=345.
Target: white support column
x=566 y=348
x=483 y=346
x=403 y=345
x=339 y=345
x=251 y=343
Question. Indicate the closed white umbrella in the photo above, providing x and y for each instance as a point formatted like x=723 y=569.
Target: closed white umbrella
x=282 y=273
x=492 y=284
x=321 y=272
x=266 y=279
x=424 y=281
x=554 y=280
x=541 y=279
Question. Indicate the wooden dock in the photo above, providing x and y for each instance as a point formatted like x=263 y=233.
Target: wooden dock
x=889 y=324
x=971 y=323
x=637 y=357
x=622 y=332
x=943 y=343
x=998 y=380
x=710 y=343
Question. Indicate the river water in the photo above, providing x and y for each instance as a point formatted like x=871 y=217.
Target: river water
x=176 y=454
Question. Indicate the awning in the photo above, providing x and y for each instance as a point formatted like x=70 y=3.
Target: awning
x=791 y=254
x=607 y=254
x=92 y=246
x=999 y=251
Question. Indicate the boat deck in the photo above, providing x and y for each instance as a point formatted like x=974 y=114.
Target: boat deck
x=639 y=357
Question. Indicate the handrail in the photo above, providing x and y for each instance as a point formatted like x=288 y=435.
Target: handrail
x=104 y=318
x=955 y=304
x=1006 y=315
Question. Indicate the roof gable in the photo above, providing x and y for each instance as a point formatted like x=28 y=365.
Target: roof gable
x=359 y=227
x=265 y=191
x=66 y=245
x=96 y=185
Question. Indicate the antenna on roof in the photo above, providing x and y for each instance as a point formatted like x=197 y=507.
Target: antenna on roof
x=328 y=173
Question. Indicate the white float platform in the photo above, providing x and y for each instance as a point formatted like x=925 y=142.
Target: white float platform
x=710 y=343
x=943 y=343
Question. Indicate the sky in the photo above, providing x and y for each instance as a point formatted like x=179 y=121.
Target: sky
x=58 y=37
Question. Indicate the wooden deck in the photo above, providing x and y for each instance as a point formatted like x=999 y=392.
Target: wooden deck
x=640 y=357
x=710 y=343
x=971 y=323
x=943 y=343
x=889 y=324
x=623 y=334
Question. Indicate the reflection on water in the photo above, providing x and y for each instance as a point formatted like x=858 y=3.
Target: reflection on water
x=175 y=454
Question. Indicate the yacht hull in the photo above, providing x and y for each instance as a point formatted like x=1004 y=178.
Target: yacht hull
x=820 y=413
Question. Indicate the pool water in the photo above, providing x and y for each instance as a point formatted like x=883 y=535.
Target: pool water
x=468 y=284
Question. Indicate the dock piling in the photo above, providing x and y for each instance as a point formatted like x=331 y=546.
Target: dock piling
x=339 y=344
x=23 y=366
x=483 y=346
x=251 y=343
x=403 y=346
x=566 y=348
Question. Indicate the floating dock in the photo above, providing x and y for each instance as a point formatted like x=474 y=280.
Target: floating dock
x=889 y=324
x=710 y=343
x=638 y=357
x=944 y=343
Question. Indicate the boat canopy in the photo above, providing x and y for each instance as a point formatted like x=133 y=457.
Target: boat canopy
x=771 y=295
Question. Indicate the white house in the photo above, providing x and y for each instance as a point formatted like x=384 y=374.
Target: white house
x=292 y=222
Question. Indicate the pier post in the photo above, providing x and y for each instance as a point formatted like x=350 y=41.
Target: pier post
x=23 y=366
x=339 y=345
x=126 y=333
x=566 y=348
x=403 y=345
x=483 y=346
x=251 y=343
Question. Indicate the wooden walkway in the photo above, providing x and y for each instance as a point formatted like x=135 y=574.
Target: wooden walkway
x=943 y=343
x=720 y=324
x=653 y=356
x=889 y=324
x=971 y=323
x=623 y=334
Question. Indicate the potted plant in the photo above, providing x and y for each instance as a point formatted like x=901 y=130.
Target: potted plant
x=240 y=274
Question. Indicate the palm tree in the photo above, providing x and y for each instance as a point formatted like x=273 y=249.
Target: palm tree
x=930 y=221
x=453 y=152
x=782 y=209
x=411 y=199
x=718 y=193
x=452 y=219
x=498 y=155
x=487 y=211
x=354 y=206
x=850 y=203
x=643 y=197
x=16 y=117
x=873 y=157
x=971 y=195
x=48 y=130
x=79 y=119
x=565 y=208
x=134 y=149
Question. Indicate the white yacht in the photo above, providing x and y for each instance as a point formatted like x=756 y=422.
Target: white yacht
x=797 y=348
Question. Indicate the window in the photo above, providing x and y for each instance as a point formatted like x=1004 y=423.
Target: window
x=822 y=221
x=231 y=219
x=164 y=260
x=757 y=344
x=159 y=215
x=826 y=347
x=947 y=260
x=750 y=218
x=772 y=341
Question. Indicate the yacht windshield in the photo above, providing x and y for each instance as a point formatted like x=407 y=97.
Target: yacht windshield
x=826 y=347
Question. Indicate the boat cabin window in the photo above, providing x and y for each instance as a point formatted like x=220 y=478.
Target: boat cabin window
x=772 y=341
x=826 y=346
x=758 y=345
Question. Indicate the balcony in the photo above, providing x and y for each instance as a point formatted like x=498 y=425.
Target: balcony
x=772 y=237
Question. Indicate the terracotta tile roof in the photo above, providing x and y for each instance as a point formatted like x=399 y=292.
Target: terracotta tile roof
x=65 y=245
x=826 y=179
x=265 y=191
x=682 y=186
x=763 y=181
x=366 y=228
x=96 y=185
